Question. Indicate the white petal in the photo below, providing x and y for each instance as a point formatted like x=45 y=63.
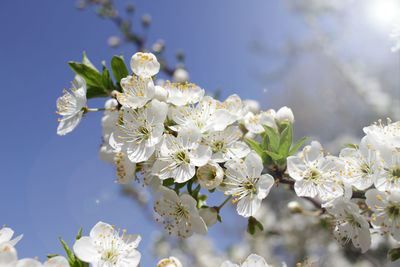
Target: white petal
x=85 y=250
x=57 y=261
x=8 y=255
x=67 y=124
x=247 y=207
x=264 y=185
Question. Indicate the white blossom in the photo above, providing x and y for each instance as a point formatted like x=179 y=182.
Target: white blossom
x=140 y=131
x=386 y=211
x=58 y=261
x=180 y=75
x=180 y=94
x=6 y=234
x=169 y=262
x=179 y=214
x=349 y=224
x=70 y=106
x=316 y=174
x=8 y=255
x=209 y=215
x=210 y=175
x=251 y=105
x=136 y=91
x=389 y=177
x=235 y=106
x=105 y=247
x=254 y=122
x=246 y=184
x=285 y=114
x=126 y=169
x=178 y=156
x=361 y=165
x=252 y=260
x=226 y=145
x=384 y=137
x=206 y=116
x=145 y=64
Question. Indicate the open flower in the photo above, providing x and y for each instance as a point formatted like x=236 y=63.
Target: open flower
x=349 y=224
x=6 y=235
x=105 y=247
x=386 y=211
x=246 y=184
x=70 y=106
x=58 y=261
x=210 y=175
x=144 y=64
x=316 y=174
x=254 y=122
x=136 y=91
x=8 y=255
x=169 y=262
x=252 y=260
x=389 y=178
x=140 y=131
x=181 y=94
x=361 y=165
x=206 y=116
x=179 y=156
x=179 y=214
x=225 y=145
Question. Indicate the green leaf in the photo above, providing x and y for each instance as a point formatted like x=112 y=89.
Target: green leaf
x=219 y=218
x=168 y=182
x=260 y=226
x=273 y=155
x=285 y=141
x=353 y=146
x=251 y=229
x=87 y=62
x=273 y=138
x=69 y=252
x=91 y=76
x=255 y=145
x=79 y=234
x=93 y=92
x=394 y=254
x=297 y=146
x=119 y=69
x=49 y=256
x=106 y=80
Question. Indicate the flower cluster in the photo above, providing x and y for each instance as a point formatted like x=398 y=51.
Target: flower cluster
x=371 y=169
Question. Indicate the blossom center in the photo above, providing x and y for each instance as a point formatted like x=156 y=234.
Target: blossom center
x=182 y=157
x=110 y=256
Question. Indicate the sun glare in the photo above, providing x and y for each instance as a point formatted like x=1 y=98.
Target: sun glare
x=384 y=13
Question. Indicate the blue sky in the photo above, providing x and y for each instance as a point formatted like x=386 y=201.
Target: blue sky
x=50 y=184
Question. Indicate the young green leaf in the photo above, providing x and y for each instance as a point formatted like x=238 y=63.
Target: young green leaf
x=285 y=140
x=255 y=145
x=87 y=62
x=348 y=145
x=273 y=138
x=297 y=146
x=273 y=155
x=168 y=182
x=91 y=76
x=79 y=234
x=49 y=256
x=106 y=80
x=69 y=252
x=394 y=254
x=119 y=69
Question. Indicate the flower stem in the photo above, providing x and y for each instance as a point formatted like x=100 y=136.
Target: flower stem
x=98 y=109
x=225 y=201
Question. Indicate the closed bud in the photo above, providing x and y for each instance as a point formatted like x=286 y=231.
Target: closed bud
x=252 y=105
x=114 y=41
x=160 y=93
x=180 y=75
x=285 y=114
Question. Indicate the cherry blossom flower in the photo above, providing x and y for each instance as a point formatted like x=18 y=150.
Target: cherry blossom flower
x=386 y=211
x=6 y=235
x=145 y=64
x=180 y=94
x=169 y=262
x=349 y=224
x=178 y=156
x=361 y=165
x=140 y=131
x=58 y=261
x=225 y=145
x=8 y=255
x=316 y=174
x=246 y=184
x=254 y=122
x=206 y=116
x=252 y=260
x=71 y=106
x=179 y=214
x=105 y=247
x=210 y=175
x=136 y=91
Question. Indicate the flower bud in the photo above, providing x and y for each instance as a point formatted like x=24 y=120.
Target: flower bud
x=209 y=215
x=114 y=41
x=146 y=20
x=145 y=64
x=285 y=114
x=160 y=93
x=252 y=105
x=294 y=207
x=180 y=75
